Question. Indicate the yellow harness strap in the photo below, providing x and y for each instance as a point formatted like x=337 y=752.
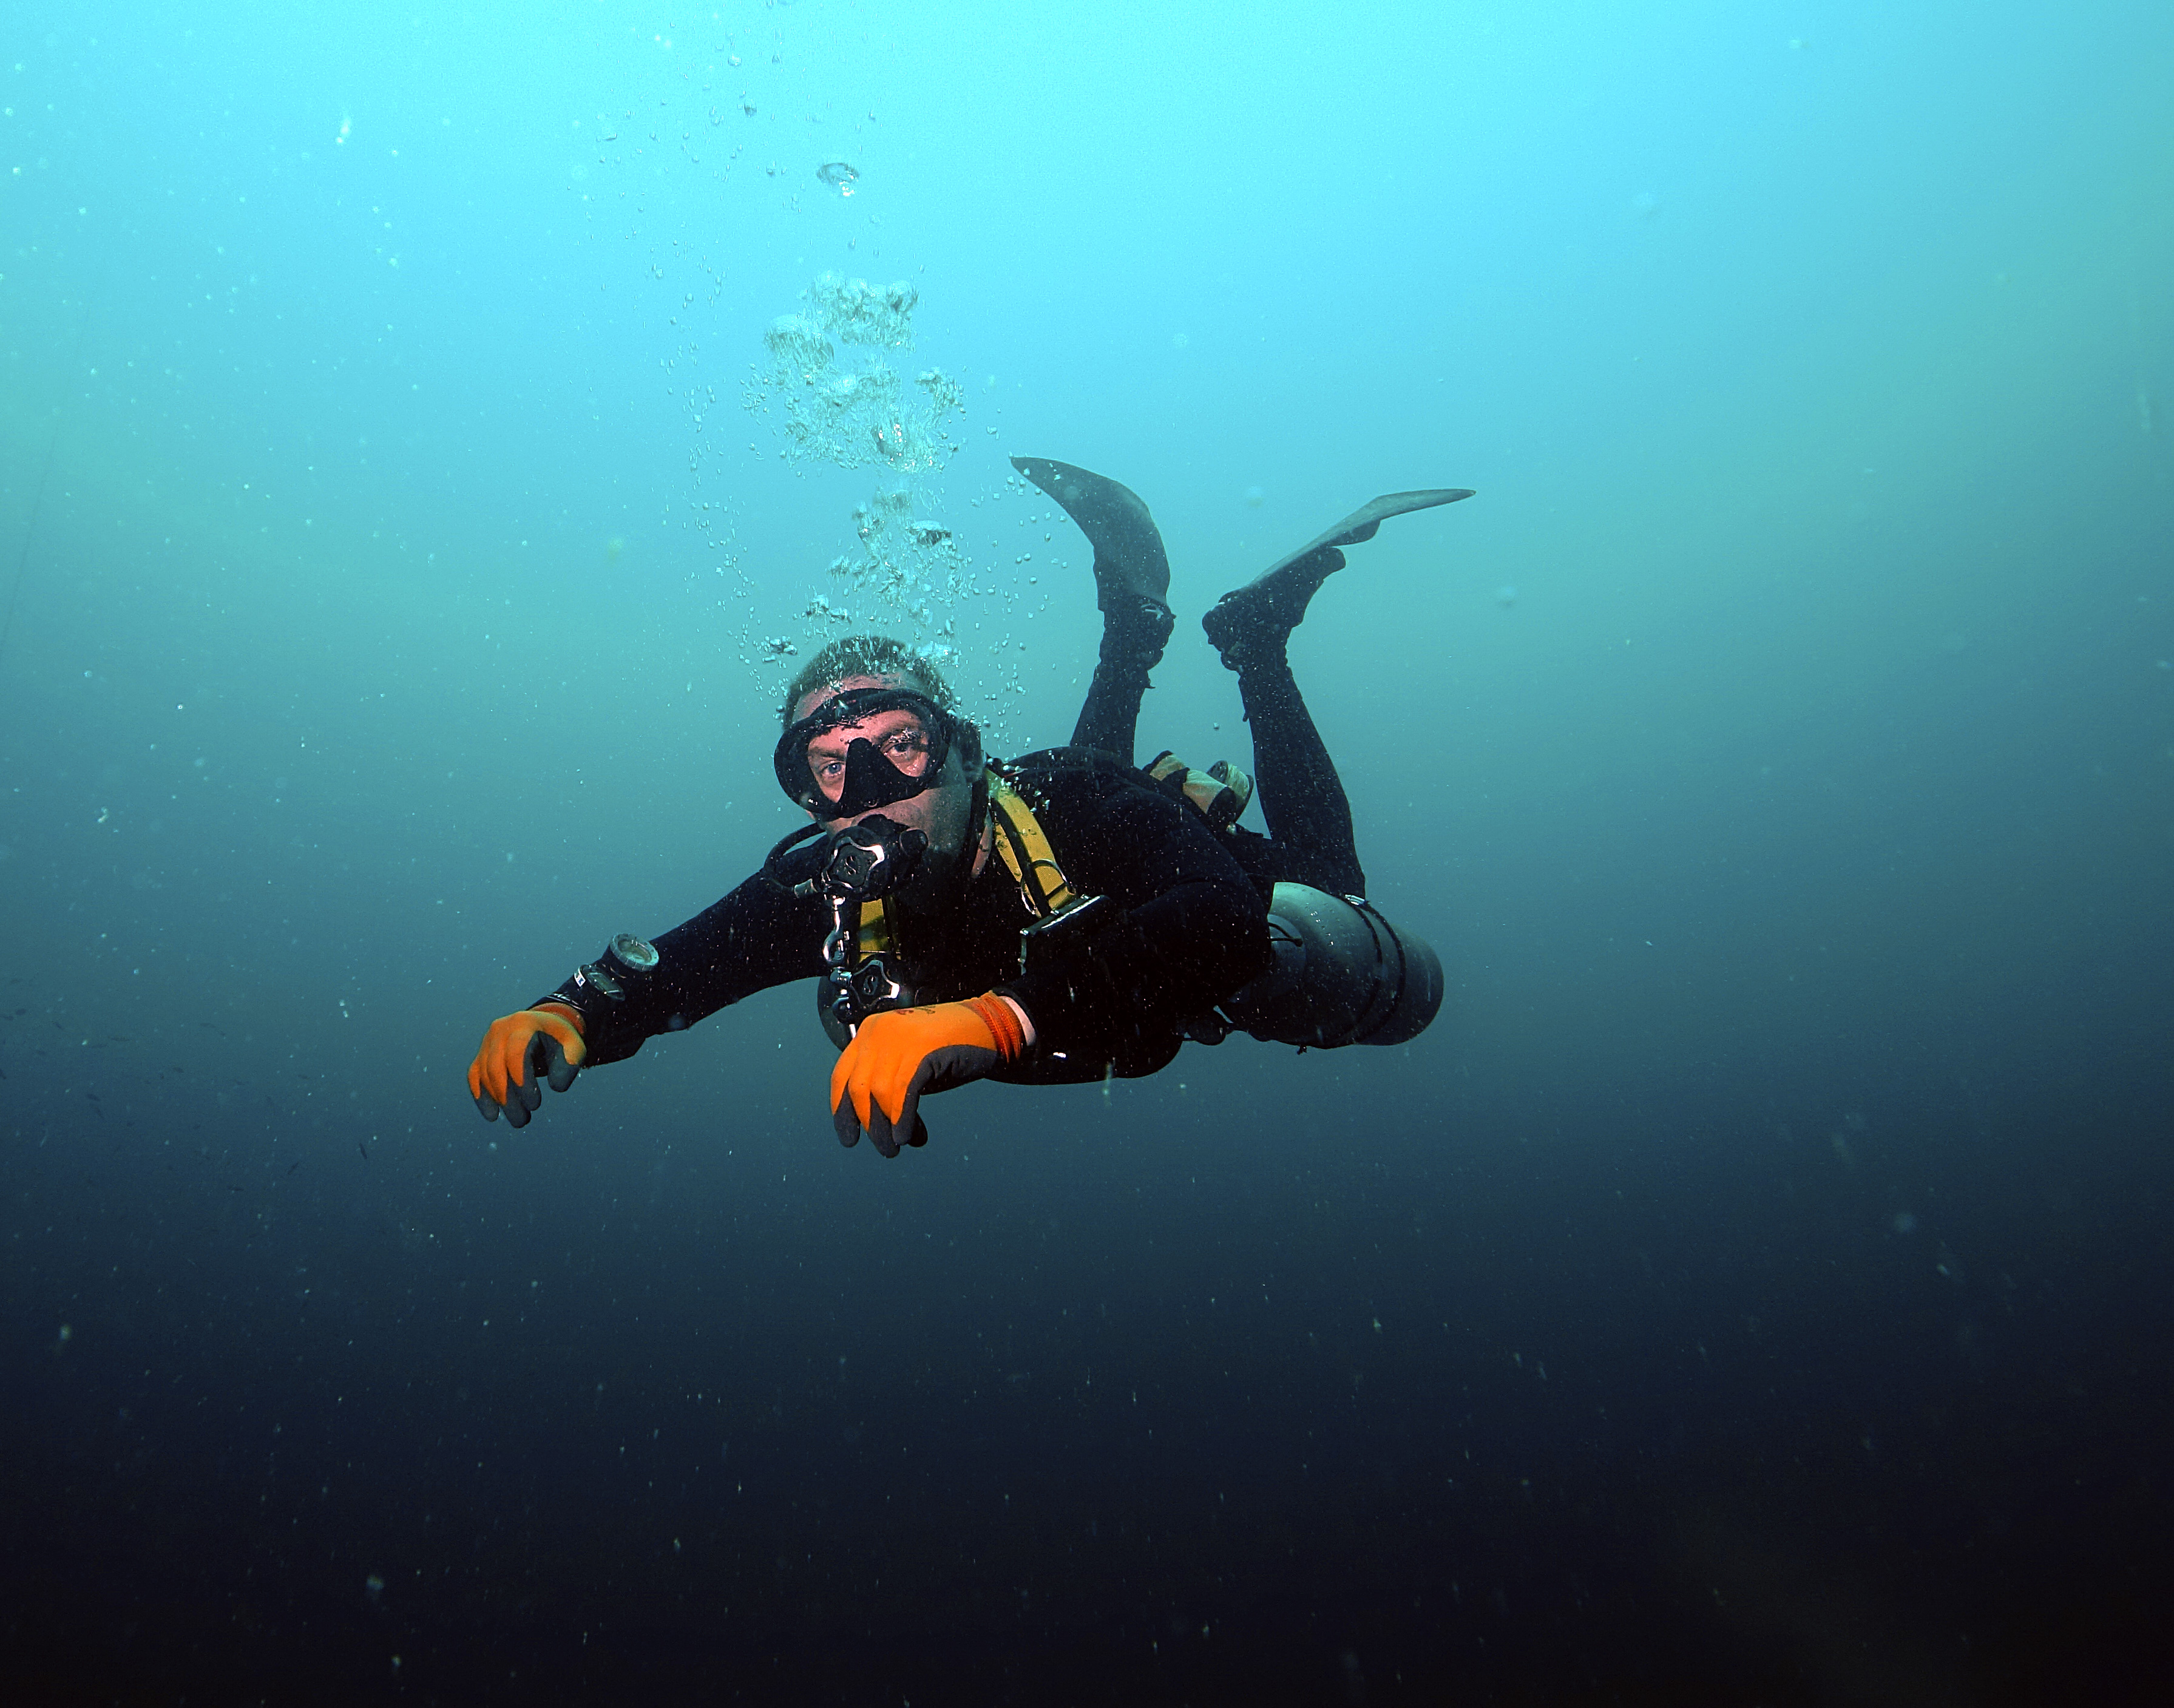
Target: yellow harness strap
x=1024 y=847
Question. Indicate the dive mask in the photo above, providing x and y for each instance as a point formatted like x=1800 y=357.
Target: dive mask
x=899 y=764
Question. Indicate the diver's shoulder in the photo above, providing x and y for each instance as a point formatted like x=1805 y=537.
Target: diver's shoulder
x=1075 y=772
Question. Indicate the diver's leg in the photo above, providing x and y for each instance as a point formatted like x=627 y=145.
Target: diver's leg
x=1301 y=797
x=1131 y=644
x=1308 y=813
x=1131 y=576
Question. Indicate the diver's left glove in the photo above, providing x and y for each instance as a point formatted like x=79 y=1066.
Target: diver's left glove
x=901 y=1054
x=543 y=1042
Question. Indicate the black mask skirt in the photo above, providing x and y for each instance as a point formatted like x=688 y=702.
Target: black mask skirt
x=871 y=780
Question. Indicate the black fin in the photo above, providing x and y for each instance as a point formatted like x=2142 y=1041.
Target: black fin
x=1261 y=614
x=1131 y=568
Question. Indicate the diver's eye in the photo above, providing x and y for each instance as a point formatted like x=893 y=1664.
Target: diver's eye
x=908 y=748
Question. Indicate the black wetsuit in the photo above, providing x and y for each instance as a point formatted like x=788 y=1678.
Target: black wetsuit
x=1192 y=930
x=1310 y=839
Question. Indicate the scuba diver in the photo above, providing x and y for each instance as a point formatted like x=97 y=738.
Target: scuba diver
x=1060 y=918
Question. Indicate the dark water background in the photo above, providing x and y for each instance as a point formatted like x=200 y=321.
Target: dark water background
x=1755 y=1288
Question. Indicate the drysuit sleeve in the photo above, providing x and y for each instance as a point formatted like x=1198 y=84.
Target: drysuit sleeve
x=747 y=941
x=1190 y=928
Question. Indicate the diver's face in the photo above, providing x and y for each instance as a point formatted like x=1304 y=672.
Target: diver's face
x=899 y=735
x=939 y=812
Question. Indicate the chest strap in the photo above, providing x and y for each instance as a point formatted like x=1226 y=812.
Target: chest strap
x=1024 y=847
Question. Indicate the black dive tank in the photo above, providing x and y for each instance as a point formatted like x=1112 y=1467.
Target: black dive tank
x=1343 y=975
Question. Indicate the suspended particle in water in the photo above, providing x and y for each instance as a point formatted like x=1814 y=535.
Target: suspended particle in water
x=840 y=176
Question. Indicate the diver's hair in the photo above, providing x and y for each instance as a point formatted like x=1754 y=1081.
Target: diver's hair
x=865 y=655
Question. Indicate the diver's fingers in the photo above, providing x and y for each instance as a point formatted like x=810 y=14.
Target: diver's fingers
x=526 y=1097
x=557 y=1069
x=880 y=1129
x=848 y=1113
x=909 y=1128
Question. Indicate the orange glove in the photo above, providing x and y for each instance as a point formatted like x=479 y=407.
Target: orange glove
x=544 y=1041
x=901 y=1053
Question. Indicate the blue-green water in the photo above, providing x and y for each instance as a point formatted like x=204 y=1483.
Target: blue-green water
x=1755 y=1287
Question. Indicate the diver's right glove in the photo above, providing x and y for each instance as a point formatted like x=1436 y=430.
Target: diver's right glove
x=901 y=1055
x=543 y=1042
